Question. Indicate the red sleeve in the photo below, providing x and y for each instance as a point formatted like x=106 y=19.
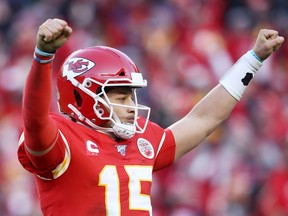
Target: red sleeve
x=44 y=165
x=40 y=130
x=166 y=154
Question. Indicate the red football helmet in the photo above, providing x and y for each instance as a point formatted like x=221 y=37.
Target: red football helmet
x=81 y=85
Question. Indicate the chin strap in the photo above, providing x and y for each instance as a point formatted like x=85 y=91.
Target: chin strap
x=124 y=131
x=121 y=130
x=82 y=118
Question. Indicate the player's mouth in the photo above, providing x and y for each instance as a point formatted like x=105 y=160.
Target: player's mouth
x=129 y=120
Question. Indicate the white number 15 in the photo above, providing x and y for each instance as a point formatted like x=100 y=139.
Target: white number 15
x=109 y=178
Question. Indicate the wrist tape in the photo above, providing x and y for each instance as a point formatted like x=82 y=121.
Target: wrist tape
x=238 y=77
x=43 y=57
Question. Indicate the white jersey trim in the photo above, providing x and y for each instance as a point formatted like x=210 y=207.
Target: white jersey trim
x=161 y=143
x=61 y=168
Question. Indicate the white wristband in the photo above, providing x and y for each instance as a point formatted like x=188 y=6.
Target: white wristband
x=238 y=77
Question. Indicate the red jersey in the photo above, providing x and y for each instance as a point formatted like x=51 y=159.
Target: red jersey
x=96 y=175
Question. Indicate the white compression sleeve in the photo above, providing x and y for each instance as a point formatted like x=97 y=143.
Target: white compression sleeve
x=238 y=77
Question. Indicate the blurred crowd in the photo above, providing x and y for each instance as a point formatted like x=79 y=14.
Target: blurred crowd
x=182 y=47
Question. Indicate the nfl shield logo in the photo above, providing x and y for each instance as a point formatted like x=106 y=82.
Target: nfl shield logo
x=121 y=149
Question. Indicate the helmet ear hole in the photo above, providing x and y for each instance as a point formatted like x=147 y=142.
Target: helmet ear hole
x=78 y=98
x=122 y=73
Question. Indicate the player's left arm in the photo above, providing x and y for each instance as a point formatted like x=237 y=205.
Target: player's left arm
x=217 y=105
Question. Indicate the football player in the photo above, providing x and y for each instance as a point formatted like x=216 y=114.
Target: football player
x=99 y=159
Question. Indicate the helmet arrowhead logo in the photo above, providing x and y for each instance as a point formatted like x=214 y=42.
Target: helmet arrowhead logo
x=76 y=66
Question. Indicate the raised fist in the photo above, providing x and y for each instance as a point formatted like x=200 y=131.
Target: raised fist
x=52 y=34
x=267 y=42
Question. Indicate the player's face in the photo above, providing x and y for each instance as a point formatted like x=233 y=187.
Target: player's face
x=123 y=96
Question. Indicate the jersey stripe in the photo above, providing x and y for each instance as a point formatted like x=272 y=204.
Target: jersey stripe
x=161 y=143
x=61 y=168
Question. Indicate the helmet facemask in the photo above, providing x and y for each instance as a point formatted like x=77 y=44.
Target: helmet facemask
x=104 y=108
x=127 y=130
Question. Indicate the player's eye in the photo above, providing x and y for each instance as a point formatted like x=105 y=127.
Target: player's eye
x=121 y=98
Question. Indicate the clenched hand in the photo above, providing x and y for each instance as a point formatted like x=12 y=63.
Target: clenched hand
x=52 y=34
x=267 y=42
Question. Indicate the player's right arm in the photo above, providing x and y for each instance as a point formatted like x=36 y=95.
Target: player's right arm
x=40 y=131
x=217 y=105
